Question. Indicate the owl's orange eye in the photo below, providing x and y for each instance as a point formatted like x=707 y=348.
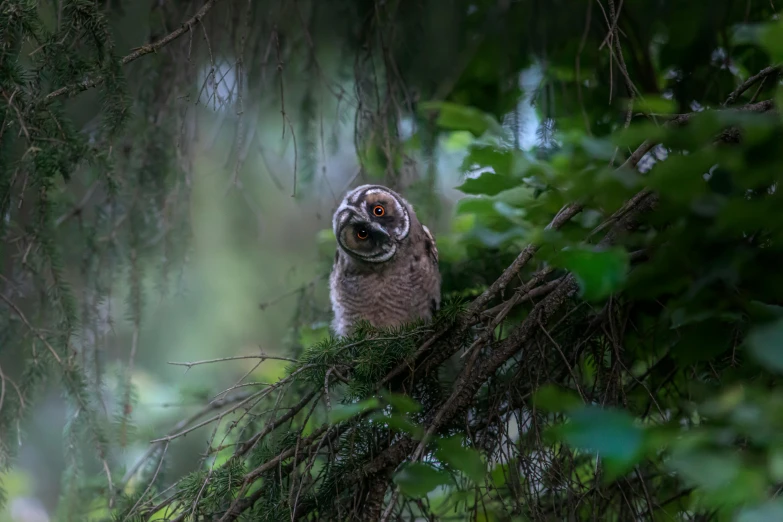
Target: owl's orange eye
x=378 y=211
x=362 y=234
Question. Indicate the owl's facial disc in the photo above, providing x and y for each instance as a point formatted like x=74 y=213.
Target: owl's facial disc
x=366 y=241
x=371 y=222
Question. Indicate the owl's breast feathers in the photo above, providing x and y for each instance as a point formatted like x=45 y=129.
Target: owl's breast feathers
x=405 y=288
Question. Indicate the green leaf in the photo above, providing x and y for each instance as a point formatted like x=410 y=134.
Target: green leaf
x=766 y=344
x=552 y=397
x=400 y=423
x=564 y=73
x=679 y=177
x=461 y=224
x=457 y=141
x=772 y=40
x=763 y=312
x=520 y=196
x=609 y=433
x=709 y=470
x=494 y=239
x=497 y=213
x=478 y=205
x=488 y=183
x=513 y=214
x=417 y=479
x=498 y=474
x=401 y=403
x=342 y=412
x=466 y=460
x=453 y=116
x=634 y=135
x=598 y=272
x=746 y=33
x=654 y=105
x=597 y=148
x=501 y=161
x=721 y=476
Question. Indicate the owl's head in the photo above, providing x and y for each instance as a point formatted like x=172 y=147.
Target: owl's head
x=371 y=222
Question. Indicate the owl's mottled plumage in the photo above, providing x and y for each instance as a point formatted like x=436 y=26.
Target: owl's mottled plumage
x=386 y=266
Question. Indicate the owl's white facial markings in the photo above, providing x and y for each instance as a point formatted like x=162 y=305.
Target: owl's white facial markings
x=381 y=256
x=367 y=232
x=402 y=230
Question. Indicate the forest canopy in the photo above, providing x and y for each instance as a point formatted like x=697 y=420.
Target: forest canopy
x=601 y=180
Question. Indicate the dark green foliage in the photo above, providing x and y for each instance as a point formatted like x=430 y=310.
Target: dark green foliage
x=451 y=452
x=417 y=479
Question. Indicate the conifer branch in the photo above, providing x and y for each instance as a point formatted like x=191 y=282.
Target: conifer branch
x=5 y=379
x=215 y=405
x=262 y=357
x=34 y=330
x=137 y=53
x=182 y=433
x=151 y=482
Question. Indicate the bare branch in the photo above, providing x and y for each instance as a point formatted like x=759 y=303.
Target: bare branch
x=747 y=84
x=263 y=357
x=89 y=83
x=179 y=426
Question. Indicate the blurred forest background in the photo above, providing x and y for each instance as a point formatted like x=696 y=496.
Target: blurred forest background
x=600 y=177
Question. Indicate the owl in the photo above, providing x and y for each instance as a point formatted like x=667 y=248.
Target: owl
x=386 y=265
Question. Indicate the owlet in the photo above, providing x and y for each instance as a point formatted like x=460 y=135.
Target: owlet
x=386 y=266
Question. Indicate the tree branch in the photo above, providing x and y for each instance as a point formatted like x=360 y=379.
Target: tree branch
x=747 y=84
x=89 y=83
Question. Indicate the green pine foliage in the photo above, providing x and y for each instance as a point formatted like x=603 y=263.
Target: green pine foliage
x=369 y=354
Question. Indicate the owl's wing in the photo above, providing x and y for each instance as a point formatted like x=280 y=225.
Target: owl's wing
x=429 y=245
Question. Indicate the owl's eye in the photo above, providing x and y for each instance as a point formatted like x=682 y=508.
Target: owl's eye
x=362 y=234
x=378 y=211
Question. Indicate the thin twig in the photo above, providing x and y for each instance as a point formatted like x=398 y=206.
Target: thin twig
x=152 y=481
x=136 y=54
x=250 y=443
x=747 y=84
x=222 y=414
x=263 y=357
x=179 y=426
x=32 y=328
x=78 y=207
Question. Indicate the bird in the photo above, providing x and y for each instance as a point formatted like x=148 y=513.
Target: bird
x=385 y=267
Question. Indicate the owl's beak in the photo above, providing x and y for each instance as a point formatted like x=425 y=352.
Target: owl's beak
x=382 y=234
